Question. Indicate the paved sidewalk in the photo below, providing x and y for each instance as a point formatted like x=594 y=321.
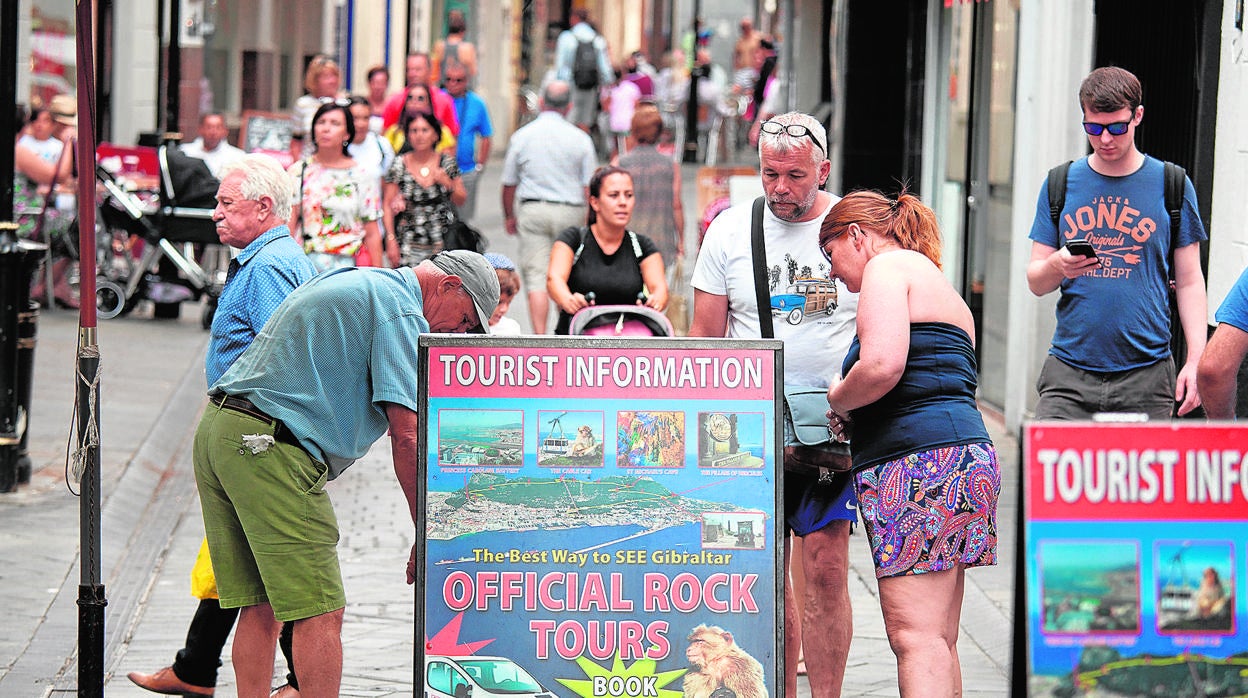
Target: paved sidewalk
x=152 y=393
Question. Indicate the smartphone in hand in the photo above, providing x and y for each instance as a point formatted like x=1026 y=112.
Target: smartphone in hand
x=1080 y=248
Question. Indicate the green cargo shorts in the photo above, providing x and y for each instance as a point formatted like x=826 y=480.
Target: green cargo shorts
x=270 y=525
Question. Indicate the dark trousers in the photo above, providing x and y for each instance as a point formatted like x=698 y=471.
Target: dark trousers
x=198 y=661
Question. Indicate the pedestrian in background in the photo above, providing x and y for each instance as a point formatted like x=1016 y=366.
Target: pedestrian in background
x=581 y=61
x=508 y=287
x=548 y=165
x=372 y=153
x=659 y=213
x=271 y=439
x=212 y=145
x=819 y=501
x=322 y=81
x=418 y=70
x=603 y=259
x=472 y=147
x=419 y=101
x=336 y=201
x=422 y=190
x=1111 y=348
x=378 y=93
x=253 y=204
x=620 y=103
x=925 y=471
x=42 y=164
x=453 y=49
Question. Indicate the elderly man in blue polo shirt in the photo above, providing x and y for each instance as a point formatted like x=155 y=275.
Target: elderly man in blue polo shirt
x=548 y=166
x=253 y=201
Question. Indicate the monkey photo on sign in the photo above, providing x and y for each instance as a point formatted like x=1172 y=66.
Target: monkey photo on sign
x=721 y=669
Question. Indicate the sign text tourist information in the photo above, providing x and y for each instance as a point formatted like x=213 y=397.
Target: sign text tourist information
x=599 y=515
x=1136 y=542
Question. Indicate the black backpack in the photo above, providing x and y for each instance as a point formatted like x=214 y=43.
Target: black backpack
x=585 y=65
x=1174 y=185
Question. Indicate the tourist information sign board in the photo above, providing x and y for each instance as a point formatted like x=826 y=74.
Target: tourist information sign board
x=600 y=515
x=1136 y=540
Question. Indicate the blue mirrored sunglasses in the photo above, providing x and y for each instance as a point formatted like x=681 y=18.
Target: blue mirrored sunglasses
x=1115 y=129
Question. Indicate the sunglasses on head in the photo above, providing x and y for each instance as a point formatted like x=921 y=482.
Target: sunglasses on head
x=776 y=128
x=339 y=102
x=1115 y=129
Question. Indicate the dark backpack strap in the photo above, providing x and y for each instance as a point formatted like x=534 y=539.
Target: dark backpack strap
x=1057 y=191
x=759 y=258
x=1175 y=180
x=580 y=247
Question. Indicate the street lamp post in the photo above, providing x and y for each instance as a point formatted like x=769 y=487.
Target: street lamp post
x=691 y=105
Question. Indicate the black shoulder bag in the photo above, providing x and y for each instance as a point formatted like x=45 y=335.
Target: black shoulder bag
x=805 y=406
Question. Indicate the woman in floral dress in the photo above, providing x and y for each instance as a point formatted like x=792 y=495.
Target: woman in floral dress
x=336 y=201
x=422 y=189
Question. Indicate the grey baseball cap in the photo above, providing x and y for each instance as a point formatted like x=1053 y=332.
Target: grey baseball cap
x=478 y=277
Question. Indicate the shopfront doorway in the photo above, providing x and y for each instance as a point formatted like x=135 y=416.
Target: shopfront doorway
x=969 y=178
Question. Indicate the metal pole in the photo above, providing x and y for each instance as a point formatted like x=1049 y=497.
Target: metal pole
x=91 y=597
x=173 y=91
x=8 y=96
x=691 y=105
x=10 y=431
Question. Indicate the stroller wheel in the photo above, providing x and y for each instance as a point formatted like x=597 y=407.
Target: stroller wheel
x=110 y=299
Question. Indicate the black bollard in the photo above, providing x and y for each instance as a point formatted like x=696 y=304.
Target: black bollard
x=17 y=263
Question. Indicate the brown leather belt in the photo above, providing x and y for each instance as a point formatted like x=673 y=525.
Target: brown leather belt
x=242 y=405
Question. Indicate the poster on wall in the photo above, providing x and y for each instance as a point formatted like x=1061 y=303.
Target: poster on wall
x=1136 y=542
x=600 y=517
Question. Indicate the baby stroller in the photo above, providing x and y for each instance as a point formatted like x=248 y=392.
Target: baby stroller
x=166 y=229
x=619 y=321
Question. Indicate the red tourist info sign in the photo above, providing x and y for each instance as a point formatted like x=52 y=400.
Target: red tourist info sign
x=1136 y=548
x=600 y=516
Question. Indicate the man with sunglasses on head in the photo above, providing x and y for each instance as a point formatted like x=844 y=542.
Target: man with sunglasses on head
x=1111 y=348
x=819 y=503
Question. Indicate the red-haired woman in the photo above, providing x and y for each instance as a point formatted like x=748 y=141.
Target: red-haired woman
x=925 y=470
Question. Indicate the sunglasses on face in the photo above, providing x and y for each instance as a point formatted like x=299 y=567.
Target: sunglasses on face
x=795 y=130
x=1115 y=129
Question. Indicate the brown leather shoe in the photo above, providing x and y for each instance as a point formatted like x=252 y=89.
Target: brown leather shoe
x=168 y=683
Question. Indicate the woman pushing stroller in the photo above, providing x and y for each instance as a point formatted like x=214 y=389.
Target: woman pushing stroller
x=604 y=258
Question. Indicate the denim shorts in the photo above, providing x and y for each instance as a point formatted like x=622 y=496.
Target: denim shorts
x=270 y=525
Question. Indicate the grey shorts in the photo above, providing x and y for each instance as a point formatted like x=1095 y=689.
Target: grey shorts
x=1069 y=393
x=584 y=107
x=537 y=224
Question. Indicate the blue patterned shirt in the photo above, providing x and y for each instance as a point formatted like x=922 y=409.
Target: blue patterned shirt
x=261 y=277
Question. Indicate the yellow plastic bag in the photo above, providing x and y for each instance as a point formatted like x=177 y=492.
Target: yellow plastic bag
x=203 y=581
x=678 y=297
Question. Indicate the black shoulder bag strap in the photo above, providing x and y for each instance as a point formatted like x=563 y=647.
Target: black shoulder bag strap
x=759 y=258
x=303 y=229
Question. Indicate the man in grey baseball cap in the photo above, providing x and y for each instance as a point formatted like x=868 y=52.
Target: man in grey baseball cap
x=334 y=368
x=478 y=279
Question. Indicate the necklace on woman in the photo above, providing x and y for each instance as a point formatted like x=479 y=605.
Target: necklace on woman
x=423 y=170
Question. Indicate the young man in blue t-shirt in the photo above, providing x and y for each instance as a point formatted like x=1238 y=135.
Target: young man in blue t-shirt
x=1111 y=348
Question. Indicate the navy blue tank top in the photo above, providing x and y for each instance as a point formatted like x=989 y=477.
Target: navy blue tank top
x=932 y=405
